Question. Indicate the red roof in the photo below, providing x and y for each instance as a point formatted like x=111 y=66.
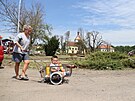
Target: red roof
x=104 y=46
x=71 y=43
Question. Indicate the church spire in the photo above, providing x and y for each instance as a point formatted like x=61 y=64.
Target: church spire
x=78 y=37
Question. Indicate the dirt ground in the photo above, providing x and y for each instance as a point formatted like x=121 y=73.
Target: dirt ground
x=84 y=85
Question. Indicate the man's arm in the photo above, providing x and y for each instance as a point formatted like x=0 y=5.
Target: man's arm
x=17 y=43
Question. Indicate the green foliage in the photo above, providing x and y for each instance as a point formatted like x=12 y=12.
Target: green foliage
x=52 y=46
x=129 y=63
x=124 y=49
x=106 y=61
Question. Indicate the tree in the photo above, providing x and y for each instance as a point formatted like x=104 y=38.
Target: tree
x=67 y=34
x=33 y=17
x=81 y=47
x=63 y=48
x=41 y=31
x=81 y=43
x=52 y=46
x=62 y=44
x=94 y=40
x=124 y=49
x=8 y=15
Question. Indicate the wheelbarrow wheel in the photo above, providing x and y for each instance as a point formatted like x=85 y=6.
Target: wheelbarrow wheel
x=56 y=78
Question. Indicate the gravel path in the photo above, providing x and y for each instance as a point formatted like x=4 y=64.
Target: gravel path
x=84 y=85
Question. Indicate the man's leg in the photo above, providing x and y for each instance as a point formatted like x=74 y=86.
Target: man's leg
x=17 y=58
x=17 y=69
x=25 y=67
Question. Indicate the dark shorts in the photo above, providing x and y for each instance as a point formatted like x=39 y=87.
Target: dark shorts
x=17 y=57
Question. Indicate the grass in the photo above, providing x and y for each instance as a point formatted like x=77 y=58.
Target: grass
x=37 y=61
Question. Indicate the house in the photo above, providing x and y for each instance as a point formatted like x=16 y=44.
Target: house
x=71 y=46
x=106 y=48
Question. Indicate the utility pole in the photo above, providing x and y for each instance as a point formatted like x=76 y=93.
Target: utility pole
x=19 y=16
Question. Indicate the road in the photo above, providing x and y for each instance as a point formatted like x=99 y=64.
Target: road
x=84 y=85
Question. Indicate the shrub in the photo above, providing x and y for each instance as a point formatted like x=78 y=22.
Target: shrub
x=130 y=63
x=105 y=61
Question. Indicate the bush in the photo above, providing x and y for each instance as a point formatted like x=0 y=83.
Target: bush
x=105 y=61
x=130 y=63
x=52 y=46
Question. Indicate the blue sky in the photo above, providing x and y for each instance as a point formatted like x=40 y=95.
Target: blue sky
x=114 y=19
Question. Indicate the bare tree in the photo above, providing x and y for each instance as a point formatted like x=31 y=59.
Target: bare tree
x=67 y=34
x=41 y=31
x=81 y=47
x=33 y=17
x=81 y=43
x=61 y=41
x=8 y=15
x=108 y=44
x=94 y=39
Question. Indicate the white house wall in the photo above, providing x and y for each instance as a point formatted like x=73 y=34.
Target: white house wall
x=72 y=50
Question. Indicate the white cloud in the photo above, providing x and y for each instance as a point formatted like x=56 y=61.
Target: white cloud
x=61 y=30
x=124 y=37
x=114 y=18
x=116 y=12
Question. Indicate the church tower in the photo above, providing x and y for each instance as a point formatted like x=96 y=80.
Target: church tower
x=78 y=37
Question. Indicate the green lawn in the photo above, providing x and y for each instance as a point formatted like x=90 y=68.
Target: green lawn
x=37 y=61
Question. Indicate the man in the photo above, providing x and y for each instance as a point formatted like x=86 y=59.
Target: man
x=20 y=52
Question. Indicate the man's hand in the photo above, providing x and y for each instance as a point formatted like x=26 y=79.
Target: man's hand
x=21 y=48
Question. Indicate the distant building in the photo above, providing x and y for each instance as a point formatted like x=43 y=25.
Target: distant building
x=106 y=48
x=72 y=48
x=78 y=37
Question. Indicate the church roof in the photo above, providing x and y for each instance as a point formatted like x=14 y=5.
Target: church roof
x=71 y=43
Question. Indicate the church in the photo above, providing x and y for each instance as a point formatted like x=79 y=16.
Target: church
x=71 y=46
